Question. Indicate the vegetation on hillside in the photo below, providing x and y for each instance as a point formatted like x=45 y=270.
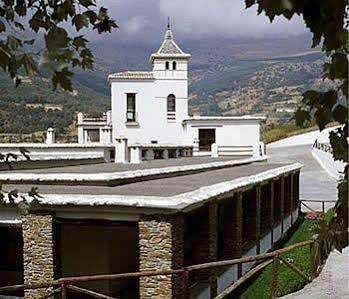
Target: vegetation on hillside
x=33 y=106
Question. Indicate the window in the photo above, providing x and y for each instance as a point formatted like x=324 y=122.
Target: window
x=171 y=107
x=167 y=65
x=174 y=65
x=131 y=107
x=92 y=135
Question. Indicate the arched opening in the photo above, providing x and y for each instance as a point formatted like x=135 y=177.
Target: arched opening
x=167 y=65
x=174 y=65
x=171 y=107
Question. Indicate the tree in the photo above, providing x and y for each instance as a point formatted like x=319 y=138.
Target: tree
x=62 y=51
x=328 y=23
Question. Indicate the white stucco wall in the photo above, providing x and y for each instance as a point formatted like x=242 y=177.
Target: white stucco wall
x=57 y=151
x=238 y=132
x=151 y=110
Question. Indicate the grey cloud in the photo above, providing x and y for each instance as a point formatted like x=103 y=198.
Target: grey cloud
x=192 y=19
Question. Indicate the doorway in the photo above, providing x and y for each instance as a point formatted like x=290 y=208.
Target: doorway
x=206 y=138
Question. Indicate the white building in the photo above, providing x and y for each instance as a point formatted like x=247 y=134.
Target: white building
x=149 y=117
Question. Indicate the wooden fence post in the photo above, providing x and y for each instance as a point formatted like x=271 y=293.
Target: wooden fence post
x=313 y=259
x=63 y=292
x=186 y=292
x=274 y=285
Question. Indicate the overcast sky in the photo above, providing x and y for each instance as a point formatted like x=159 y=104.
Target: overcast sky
x=192 y=19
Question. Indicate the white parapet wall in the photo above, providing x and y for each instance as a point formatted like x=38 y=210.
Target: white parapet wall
x=325 y=159
x=57 y=151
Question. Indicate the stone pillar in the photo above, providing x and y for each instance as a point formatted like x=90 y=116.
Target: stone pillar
x=38 y=247
x=213 y=238
x=160 y=248
x=214 y=150
x=196 y=148
x=258 y=218
x=50 y=136
x=121 y=150
x=80 y=121
x=135 y=155
x=165 y=154
x=109 y=118
x=150 y=154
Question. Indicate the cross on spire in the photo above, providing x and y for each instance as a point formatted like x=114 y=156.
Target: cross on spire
x=168 y=23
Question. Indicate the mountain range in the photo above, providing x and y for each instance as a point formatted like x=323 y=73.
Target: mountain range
x=227 y=77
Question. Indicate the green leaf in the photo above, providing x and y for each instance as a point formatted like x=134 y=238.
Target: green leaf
x=30 y=64
x=249 y=3
x=2 y=26
x=80 y=41
x=62 y=78
x=301 y=116
x=57 y=38
x=80 y=21
x=19 y=25
x=87 y=3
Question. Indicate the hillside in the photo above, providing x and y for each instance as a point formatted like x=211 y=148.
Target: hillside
x=270 y=86
x=235 y=77
x=34 y=106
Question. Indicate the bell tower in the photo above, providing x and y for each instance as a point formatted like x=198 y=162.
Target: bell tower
x=170 y=62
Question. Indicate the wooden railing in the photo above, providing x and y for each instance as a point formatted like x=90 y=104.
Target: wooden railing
x=62 y=285
x=305 y=203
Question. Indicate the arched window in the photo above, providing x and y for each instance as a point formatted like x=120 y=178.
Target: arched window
x=171 y=107
x=167 y=65
x=174 y=65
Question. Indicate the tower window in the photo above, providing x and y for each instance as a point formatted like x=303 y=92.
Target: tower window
x=131 y=107
x=171 y=107
x=167 y=65
x=174 y=65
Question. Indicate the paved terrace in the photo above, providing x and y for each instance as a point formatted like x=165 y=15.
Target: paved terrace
x=119 y=167
x=118 y=174
x=164 y=193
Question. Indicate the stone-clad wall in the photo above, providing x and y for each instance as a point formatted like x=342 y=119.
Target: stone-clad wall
x=37 y=252
x=160 y=247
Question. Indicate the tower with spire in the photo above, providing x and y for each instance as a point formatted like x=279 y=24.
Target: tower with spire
x=170 y=61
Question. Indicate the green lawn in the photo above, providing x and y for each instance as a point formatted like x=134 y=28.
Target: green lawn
x=288 y=280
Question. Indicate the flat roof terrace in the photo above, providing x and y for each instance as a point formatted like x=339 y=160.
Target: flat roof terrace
x=120 y=167
x=118 y=174
x=173 y=193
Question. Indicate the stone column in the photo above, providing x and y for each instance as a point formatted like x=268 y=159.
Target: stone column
x=135 y=155
x=213 y=238
x=214 y=150
x=50 y=136
x=37 y=252
x=80 y=121
x=121 y=150
x=160 y=248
